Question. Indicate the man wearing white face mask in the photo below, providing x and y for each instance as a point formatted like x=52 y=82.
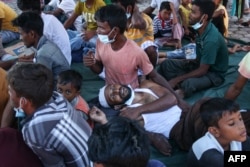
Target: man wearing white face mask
x=211 y=63
x=120 y=56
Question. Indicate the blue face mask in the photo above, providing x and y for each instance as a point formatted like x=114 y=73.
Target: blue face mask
x=105 y=38
x=19 y=110
x=83 y=0
x=198 y=25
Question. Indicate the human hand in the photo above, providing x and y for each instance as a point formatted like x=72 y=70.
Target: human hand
x=222 y=12
x=89 y=59
x=186 y=31
x=245 y=48
x=97 y=115
x=173 y=82
x=87 y=35
x=172 y=6
x=137 y=20
x=26 y=58
x=131 y=113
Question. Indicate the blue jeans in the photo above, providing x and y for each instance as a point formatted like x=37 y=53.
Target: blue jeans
x=155 y=163
x=8 y=36
x=79 y=47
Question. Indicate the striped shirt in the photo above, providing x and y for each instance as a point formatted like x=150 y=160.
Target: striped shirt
x=57 y=134
x=163 y=27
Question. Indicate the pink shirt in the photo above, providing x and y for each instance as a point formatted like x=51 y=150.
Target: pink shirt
x=244 y=68
x=121 y=66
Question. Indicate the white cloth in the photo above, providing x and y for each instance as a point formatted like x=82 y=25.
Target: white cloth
x=159 y=122
x=208 y=142
x=55 y=32
x=244 y=68
x=68 y=6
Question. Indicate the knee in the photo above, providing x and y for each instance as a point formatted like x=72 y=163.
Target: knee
x=188 y=88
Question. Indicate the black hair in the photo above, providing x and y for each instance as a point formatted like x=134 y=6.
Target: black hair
x=165 y=5
x=206 y=7
x=70 y=76
x=120 y=142
x=32 y=81
x=29 y=5
x=29 y=21
x=213 y=109
x=125 y=3
x=114 y=15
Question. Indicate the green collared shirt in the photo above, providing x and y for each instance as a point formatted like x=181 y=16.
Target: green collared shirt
x=211 y=49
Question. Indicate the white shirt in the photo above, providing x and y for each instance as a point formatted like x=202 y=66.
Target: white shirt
x=55 y=32
x=68 y=6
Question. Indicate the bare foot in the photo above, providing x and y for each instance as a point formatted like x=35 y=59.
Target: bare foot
x=160 y=142
x=245 y=48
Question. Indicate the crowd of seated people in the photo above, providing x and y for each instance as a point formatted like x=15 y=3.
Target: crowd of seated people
x=43 y=113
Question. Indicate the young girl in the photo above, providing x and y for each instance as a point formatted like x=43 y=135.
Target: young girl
x=166 y=25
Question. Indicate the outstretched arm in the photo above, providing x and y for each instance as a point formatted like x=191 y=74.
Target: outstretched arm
x=90 y=61
x=165 y=100
x=202 y=70
x=149 y=10
x=70 y=20
x=137 y=20
x=97 y=115
x=235 y=89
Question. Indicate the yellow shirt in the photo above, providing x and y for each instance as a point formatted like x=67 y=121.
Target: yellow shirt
x=7 y=14
x=140 y=36
x=186 y=12
x=225 y=18
x=88 y=13
x=4 y=92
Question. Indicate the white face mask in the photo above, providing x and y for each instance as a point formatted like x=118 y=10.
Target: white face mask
x=128 y=15
x=19 y=110
x=105 y=38
x=198 y=25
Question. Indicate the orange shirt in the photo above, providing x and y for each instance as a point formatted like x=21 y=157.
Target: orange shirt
x=121 y=66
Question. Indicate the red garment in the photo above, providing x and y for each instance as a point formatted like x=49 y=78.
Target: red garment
x=83 y=106
x=14 y=152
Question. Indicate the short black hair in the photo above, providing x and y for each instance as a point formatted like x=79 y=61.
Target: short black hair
x=70 y=76
x=32 y=81
x=206 y=7
x=29 y=21
x=29 y=5
x=125 y=3
x=213 y=109
x=165 y=5
x=120 y=142
x=114 y=15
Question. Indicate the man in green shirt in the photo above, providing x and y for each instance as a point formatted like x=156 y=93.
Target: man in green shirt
x=211 y=63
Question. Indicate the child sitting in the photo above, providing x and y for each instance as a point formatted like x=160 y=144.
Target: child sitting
x=69 y=85
x=184 y=11
x=167 y=26
x=226 y=132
